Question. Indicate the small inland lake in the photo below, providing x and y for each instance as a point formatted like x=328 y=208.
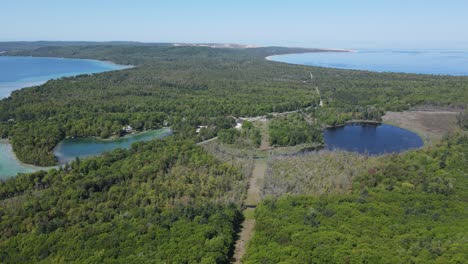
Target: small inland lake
x=372 y=139
x=71 y=148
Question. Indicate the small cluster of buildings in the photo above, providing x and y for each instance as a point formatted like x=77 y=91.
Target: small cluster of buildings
x=237 y=126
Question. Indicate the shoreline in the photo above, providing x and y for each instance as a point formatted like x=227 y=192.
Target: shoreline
x=124 y=66
x=384 y=66
x=356 y=121
x=9 y=87
x=11 y=154
x=160 y=133
x=135 y=133
x=268 y=58
x=430 y=126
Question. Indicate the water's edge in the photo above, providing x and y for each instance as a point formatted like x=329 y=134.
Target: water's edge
x=425 y=62
x=8 y=87
x=20 y=167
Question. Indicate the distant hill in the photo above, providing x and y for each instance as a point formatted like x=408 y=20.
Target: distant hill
x=18 y=46
x=32 y=45
x=218 y=45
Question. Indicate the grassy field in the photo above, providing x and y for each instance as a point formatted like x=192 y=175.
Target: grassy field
x=431 y=126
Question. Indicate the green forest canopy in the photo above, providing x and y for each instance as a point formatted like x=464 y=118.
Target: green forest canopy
x=161 y=201
x=169 y=200
x=190 y=86
x=411 y=208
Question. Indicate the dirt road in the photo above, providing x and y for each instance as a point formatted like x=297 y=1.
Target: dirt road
x=251 y=201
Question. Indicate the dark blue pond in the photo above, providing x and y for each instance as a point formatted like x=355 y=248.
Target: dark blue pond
x=374 y=139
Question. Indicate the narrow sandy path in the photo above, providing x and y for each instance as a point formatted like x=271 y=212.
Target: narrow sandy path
x=263 y=126
x=207 y=141
x=251 y=201
x=244 y=238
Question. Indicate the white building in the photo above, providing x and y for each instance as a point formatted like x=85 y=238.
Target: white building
x=199 y=128
x=127 y=128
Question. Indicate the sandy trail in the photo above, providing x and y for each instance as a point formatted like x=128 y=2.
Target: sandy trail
x=251 y=201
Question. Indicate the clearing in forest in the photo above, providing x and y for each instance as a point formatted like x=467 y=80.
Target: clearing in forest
x=253 y=198
x=430 y=125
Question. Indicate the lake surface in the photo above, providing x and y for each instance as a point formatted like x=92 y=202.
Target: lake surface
x=373 y=139
x=441 y=62
x=20 y=72
x=71 y=148
x=9 y=165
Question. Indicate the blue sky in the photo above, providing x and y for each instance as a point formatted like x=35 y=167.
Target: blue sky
x=331 y=23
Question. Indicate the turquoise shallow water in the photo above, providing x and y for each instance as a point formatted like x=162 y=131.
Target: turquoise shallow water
x=440 y=62
x=71 y=148
x=20 y=72
x=9 y=165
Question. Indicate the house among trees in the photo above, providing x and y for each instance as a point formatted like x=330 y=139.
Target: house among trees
x=127 y=129
x=199 y=128
x=239 y=122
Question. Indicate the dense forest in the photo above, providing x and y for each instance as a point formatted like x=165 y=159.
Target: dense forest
x=246 y=136
x=172 y=201
x=163 y=201
x=293 y=130
x=408 y=208
x=18 y=46
x=186 y=87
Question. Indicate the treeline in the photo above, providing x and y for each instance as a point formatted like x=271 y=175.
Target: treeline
x=293 y=129
x=333 y=116
x=170 y=202
x=161 y=201
x=34 y=140
x=196 y=85
x=408 y=208
x=27 y=46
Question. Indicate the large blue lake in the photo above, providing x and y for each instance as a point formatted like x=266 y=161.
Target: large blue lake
x=20 y=72
x=373 y=139
x=441 y=62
